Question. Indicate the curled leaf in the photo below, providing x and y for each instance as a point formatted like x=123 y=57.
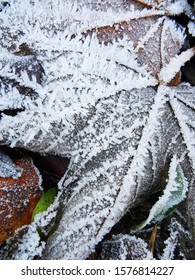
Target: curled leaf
x=45 y=201
x=173 y=194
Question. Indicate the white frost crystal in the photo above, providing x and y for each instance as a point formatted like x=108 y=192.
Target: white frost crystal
x=171 y=243
x=8 y=168
x=126 y=247
x=191 y=27
x=95 y=98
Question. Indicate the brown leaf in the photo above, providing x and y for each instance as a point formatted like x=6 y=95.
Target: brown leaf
x=18 y=197
x=154 y=38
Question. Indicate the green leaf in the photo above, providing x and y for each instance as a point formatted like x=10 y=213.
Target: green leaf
x=45 y=201
x=173 y=194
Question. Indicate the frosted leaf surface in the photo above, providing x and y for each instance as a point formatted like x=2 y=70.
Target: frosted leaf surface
x=174 y=244
x=8 y=168
x=78 y=72
x=110 y=180
x=18 y=195
x=125 y=247
x=173 y=194
x=99 y=103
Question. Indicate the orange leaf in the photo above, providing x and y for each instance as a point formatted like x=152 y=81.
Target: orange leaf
x=18 y=198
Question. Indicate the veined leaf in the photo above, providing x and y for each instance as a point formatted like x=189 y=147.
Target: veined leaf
x=174 y=193
x=97 y=90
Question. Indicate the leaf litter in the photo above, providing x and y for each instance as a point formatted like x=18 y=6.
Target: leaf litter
x=110 y=99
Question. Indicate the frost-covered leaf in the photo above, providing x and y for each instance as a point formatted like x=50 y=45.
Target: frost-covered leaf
x=18 y=195
x=175 y=243
x=174 y=193
x=100 y=187
x=8 y=168
x=119 y=174
x=125 y=247
x=100 y=104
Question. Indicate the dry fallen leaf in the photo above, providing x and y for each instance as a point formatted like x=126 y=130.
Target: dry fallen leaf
x=125 y=247
x=18 y=197
x=108 y=107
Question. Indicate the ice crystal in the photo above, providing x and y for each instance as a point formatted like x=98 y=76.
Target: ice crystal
x=173 y=244
x=191 y=26
x=93 y=85
x=8 y=168
x=122 y=247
